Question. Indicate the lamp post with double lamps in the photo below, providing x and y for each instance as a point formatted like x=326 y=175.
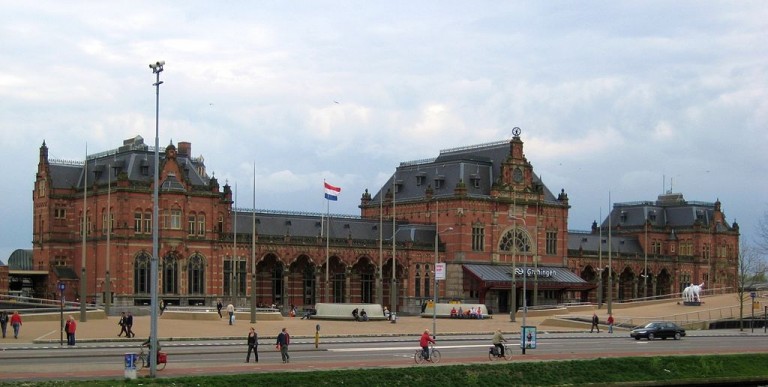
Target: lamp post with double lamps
x=157 y=68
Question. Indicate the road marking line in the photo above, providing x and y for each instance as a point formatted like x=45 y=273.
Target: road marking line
x=404 y=348
x=46 y=335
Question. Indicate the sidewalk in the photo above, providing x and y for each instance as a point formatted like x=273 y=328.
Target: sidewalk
x=100 y=330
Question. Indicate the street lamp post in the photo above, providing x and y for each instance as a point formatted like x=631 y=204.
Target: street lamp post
x=600 y=262
x=525 y=300
x=434 y=299
x=610 y=264
x=515 y=245
x=393 y=285
x=513 y=309
x=645 y=259
x=157 y=68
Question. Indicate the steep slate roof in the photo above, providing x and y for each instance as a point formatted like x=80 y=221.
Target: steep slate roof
x=588 y=241
x=670 y=209
x=478 y=162
x=134 y=158
x=298 y=224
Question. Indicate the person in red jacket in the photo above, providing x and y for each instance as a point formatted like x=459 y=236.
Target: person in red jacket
x=16 y=324
x=424 y=342
x=610 y=323
x=70 y=327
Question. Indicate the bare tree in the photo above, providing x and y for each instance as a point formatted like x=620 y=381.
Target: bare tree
x=751 y=268
x=761 y=240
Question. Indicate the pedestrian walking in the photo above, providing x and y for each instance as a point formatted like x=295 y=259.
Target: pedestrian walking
x=219 y=306
x=231 y=311
x=123 y=325
x=283 y=340
x=162 y=307
x=595 y=321
x=610 y=323
x=129 y=325
x=3 y=321
x=70 y=327
x=16 y=323
x=253 y=345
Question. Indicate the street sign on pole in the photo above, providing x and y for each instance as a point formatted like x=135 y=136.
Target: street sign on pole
x=61 y=287
x=440 y=271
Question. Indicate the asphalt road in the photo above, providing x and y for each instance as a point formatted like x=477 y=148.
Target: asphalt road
x=105 y=360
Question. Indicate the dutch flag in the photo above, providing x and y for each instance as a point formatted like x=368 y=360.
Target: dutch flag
x=331 y=192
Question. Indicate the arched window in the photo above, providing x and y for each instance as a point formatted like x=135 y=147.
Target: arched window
x=277 y=284
x=309 y=285
x=141 y=273
x=417 y=283
x=170 y=275
x=196 y=274
x=515 y=240
x=201 y=225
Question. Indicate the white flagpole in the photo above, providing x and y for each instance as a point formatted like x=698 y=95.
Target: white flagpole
x=83 y=287
x=253 y=250
x=107 y=285
x=327 y=247
x=233 y=272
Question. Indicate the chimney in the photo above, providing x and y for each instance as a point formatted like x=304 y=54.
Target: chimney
x=185 y=149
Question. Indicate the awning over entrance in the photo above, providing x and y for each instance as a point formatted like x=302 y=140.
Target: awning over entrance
x=548 y=277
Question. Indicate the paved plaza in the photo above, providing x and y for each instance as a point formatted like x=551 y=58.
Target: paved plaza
x=106 y=329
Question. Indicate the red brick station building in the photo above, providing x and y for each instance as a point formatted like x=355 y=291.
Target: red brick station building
x=498 y=227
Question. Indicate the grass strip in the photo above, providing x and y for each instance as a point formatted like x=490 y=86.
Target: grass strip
x=659 y=370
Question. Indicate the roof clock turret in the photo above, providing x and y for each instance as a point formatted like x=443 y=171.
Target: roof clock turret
x=516 y=171
x=170 y=151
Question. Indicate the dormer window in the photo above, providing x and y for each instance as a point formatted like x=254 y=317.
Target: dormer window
x=398 y=186
x=474 y=180
x=652 y=215
x=623 y=216
x=439 y=181
x=421 y=179
x=144 y=168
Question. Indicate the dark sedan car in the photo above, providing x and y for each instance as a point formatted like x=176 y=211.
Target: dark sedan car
x=658 y=329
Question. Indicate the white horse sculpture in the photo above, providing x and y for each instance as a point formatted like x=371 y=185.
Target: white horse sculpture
x=691 y=293
x=695 y=290
x=687 y=293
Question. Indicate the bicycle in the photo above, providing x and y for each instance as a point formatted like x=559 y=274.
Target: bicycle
x=493 y=353
x=434 y=355
x=143 y=357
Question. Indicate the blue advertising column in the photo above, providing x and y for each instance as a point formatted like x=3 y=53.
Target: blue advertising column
x=130 y=365
x=527 y=338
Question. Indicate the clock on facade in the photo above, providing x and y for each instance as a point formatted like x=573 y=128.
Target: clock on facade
x=517 y=175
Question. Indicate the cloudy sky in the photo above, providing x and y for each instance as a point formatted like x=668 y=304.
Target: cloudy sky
x=629 y=97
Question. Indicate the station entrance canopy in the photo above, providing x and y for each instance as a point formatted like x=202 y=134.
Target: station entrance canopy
x=548 y=277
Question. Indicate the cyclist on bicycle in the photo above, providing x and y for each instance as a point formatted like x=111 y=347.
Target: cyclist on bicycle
x=497 y=340
x=424 y=342
x=147 y=344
